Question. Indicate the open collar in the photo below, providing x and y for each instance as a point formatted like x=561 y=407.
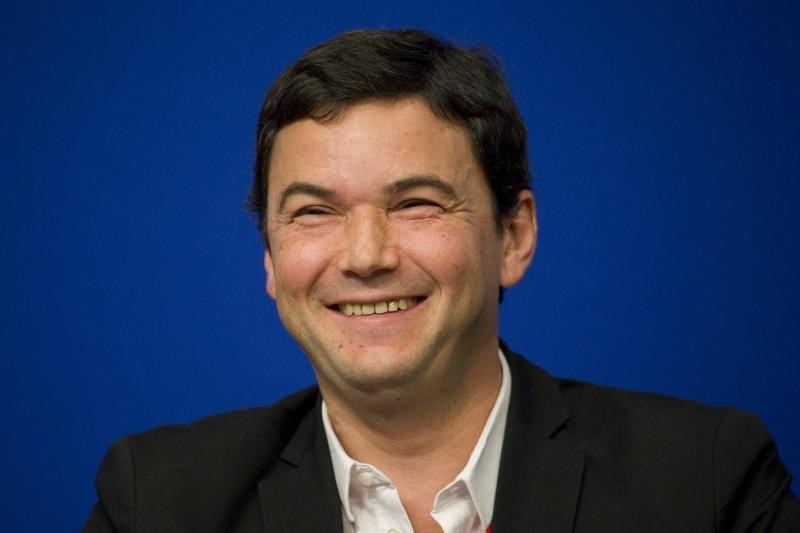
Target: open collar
x=540 y=474
x=479 y=474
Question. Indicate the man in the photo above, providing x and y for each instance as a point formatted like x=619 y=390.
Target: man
x=392 y=190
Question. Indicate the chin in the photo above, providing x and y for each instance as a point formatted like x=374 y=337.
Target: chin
x=379 y=372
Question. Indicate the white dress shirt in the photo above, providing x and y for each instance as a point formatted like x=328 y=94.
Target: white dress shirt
x=371 y=503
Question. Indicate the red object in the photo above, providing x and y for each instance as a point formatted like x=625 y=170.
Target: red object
x=489 y=529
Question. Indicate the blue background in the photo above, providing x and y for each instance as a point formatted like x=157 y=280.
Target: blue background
x=665 y=139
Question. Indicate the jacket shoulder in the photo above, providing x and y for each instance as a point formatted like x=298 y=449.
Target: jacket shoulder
x=203 y=469
x=262 y=431
x=588 y=409
x=594 y=402
x=718 y=465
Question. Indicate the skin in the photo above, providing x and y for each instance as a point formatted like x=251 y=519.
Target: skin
x=388 y=202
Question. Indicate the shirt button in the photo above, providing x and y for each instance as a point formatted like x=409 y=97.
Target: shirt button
x=393 y=530
x=365 y=478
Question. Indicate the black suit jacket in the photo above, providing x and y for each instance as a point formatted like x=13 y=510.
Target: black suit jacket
x=576 y=457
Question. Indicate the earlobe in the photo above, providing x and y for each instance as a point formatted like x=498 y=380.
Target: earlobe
x=270 y=273
x=519 y=239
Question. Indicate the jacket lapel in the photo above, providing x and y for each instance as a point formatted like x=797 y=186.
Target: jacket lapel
x=541 y=469
x=299 y=493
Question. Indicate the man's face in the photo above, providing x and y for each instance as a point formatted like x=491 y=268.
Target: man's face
x=385 y=258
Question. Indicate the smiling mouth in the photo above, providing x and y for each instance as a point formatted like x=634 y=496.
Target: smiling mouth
x=378 y=308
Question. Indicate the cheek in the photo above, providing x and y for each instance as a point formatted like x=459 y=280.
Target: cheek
x=297 y=264
x=449 y=256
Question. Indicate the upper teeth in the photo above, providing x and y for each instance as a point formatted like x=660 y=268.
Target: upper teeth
x=389 y=306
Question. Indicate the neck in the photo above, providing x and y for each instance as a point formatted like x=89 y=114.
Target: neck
x=417 y=435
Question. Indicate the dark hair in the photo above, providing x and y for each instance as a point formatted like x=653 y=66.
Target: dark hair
x=463 y=86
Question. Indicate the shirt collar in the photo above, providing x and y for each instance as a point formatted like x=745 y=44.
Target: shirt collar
x=342 y=463
x=479 y=474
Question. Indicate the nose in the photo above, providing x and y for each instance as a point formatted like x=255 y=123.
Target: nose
x=367 y=248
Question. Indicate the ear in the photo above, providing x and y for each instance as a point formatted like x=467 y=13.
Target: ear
x=270 y=272
x=519 y=239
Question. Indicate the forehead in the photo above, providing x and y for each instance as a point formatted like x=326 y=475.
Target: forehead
x=379 y=140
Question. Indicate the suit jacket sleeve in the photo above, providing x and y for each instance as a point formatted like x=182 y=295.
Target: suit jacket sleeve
x=751 y=482
x=115 y=509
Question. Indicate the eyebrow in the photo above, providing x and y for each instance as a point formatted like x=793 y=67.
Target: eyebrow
x=414 y=182
x=303 y=187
